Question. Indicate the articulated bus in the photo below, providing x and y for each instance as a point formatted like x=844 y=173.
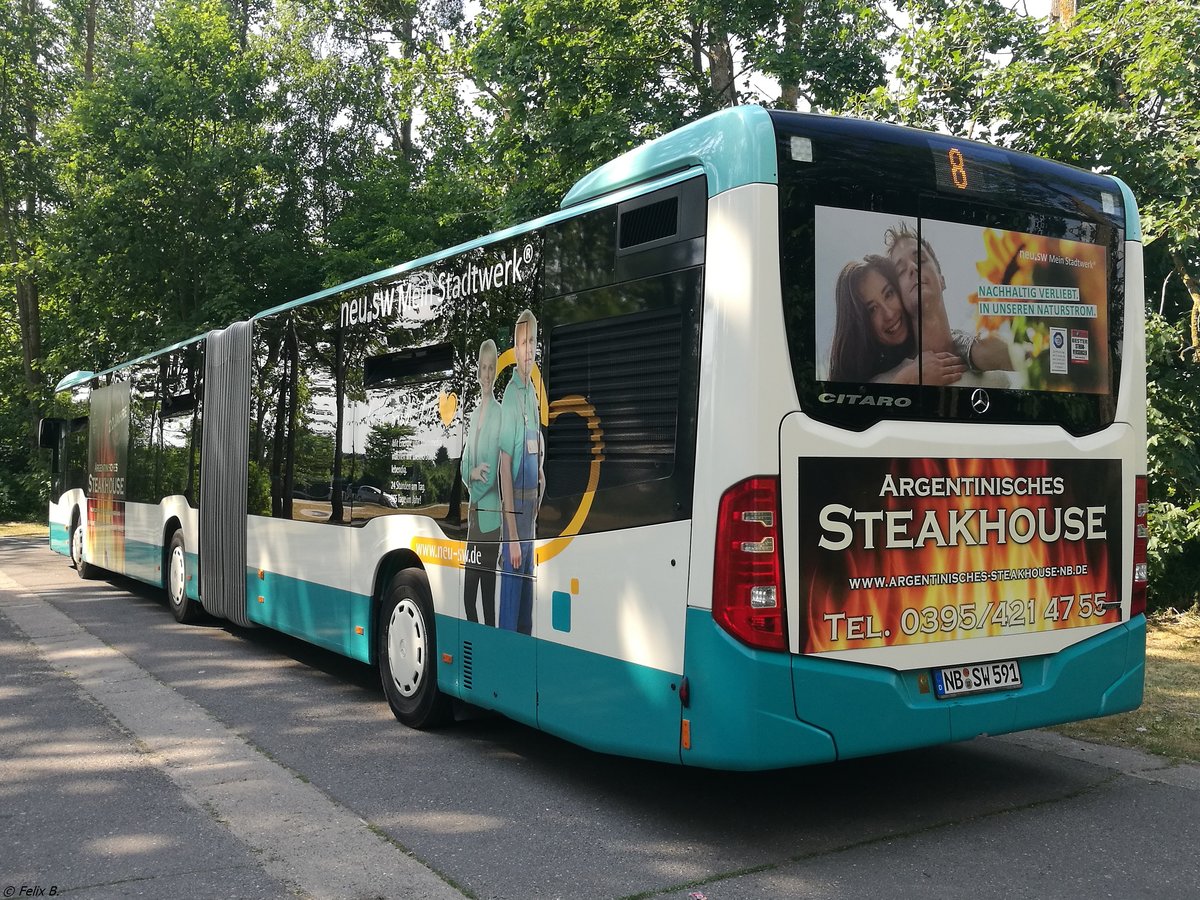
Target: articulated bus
x=787 y=439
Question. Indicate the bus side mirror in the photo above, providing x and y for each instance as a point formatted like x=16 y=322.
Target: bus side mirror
x=49 y=433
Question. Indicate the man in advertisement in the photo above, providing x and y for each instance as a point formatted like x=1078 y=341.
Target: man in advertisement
x=922 y=282
x=522 y=480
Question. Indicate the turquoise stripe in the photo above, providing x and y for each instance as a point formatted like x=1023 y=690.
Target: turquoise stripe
x=144 y=562
x=316 y=613
x=493 y=668
x=191 y=569
x=1133 y=222
x=734 y=147
x=60 y=539
x=608 y=704
x=742 y=713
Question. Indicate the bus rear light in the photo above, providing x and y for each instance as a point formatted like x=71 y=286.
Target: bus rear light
x=1141 y=535
x=748 y=574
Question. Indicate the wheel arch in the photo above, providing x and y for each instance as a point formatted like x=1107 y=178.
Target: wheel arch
x=391 y=564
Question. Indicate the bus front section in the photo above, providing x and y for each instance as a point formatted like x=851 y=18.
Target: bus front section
x=950 y=364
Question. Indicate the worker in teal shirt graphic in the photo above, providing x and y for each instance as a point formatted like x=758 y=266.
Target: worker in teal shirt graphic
x=481 y=475
x=522 y=481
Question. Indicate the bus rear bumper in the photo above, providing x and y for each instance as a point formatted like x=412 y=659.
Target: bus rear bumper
x=871 y=710
x=754 y=709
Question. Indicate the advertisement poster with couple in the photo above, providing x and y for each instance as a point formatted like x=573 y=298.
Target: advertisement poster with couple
x=943 y=304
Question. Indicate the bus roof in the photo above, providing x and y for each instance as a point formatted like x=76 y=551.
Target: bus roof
x=734 y=147
x=82 y=377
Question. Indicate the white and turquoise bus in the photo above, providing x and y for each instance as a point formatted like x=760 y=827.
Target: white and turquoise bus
x=788 y=438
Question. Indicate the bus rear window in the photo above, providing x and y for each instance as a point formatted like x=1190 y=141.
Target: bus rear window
x=903 y=300
x=916 y=290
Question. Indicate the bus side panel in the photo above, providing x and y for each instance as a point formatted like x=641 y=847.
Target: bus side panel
x=742 y=711
x=143 y=542
x=60 y=513
x=744 y=388
x=610 y=621
x=311 y=582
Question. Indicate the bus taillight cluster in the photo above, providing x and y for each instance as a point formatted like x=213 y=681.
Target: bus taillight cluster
x=748 y=576
x=1141 y=535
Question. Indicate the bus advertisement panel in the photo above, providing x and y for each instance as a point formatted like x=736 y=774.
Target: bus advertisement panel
x=911 y=551
x=945 y=303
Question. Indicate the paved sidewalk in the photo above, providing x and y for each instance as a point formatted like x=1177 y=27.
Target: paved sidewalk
x=114 y=785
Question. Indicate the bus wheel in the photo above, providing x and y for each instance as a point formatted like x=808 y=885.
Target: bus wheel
x=84 y=568
x=183 y=607
x=407 y=652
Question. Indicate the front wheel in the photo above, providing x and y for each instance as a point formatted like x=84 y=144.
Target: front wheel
x=82 y=566
x=407 y=652
x=184 y=608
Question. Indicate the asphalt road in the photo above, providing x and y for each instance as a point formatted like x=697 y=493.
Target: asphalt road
x=139 y=757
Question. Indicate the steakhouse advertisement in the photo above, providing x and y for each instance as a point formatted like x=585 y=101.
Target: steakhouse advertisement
x=912 y=551
x=108 y=465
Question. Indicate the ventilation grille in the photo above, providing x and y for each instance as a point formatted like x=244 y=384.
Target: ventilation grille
x=626 y=369
x=650 y=223
x=468 y=661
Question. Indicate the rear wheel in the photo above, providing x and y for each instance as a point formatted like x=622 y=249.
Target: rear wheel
x=82 y=566
x=183 y=607
x=406 y=648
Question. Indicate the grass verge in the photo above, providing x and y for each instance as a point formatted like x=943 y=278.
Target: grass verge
x=1168 y=721
x=24 y=529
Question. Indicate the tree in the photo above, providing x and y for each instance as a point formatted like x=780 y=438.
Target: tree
x=819 y=51
x=1173 y=422
x=949 y=58
x=563 y=86
x=1119 y=90
x=29 y=93
x=168 y=225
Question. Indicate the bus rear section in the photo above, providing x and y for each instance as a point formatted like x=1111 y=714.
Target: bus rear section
x=950 y=540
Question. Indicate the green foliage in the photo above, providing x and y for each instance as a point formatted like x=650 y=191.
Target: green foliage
x=565 y=85
x=950 y=55
x=1118 y=90
x=1173 y=422
x=167 y=227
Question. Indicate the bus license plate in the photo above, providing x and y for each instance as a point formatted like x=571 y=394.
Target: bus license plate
x=955 y=681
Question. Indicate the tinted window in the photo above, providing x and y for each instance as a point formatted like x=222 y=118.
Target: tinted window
x=915 y=272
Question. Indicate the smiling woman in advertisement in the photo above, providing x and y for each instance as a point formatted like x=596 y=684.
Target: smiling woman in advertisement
x=874 y=337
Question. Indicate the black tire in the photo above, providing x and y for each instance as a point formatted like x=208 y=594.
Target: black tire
x=82 y=566
x=406 y=649
x=184 y=608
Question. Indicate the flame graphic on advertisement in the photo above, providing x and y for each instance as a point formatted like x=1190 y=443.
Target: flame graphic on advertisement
x=864 y=597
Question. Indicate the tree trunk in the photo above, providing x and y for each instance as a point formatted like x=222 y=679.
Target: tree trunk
x=89 y=54
x=1193 y=289
x=720 y=68
x=20 y=221
x=408 y=49
x=793 y=34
